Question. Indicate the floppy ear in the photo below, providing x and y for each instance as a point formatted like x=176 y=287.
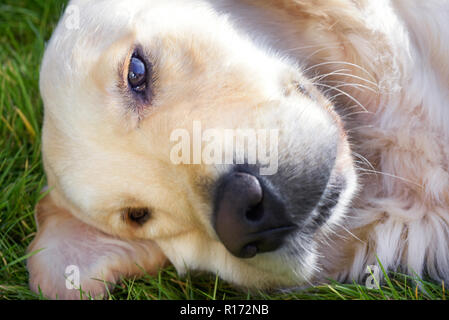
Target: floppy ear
x=73 y=254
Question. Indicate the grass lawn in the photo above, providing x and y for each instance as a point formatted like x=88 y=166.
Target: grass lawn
x=25 y=26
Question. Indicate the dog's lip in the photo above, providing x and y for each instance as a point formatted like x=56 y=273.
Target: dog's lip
x=332 y=193
x=324 y=209
x=286 y=228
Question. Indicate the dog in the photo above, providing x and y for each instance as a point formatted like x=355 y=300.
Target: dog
x=354 y=91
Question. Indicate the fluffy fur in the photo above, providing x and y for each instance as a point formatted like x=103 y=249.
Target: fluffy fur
x=383 y=64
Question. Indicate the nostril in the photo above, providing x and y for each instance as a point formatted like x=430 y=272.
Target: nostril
x=255 y=213
x=249 y=251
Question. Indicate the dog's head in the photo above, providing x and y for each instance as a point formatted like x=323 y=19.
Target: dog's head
x=145 y=106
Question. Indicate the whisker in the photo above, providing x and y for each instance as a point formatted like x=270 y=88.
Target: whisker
x=346 y=116
x=338 y=73
x=365 y=160
x=351 y=234
x=309 y=47
x=343 y=63
x=321 y=49
x=375 y=90
x=345 y=94
x=322 y=76
x=391 y=176
x=354 y=85
x=358 y=128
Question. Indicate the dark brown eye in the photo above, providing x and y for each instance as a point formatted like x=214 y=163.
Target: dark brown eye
x=137 y=74
x=138 y=215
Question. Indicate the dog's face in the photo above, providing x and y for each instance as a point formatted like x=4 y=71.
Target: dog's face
x=117 y=88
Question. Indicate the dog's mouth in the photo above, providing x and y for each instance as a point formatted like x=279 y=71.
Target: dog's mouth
x=257 y=214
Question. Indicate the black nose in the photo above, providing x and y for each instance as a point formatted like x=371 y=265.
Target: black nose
x=249 y=217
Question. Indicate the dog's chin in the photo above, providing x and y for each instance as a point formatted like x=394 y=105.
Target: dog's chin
x=296 y=260
x=294 y=264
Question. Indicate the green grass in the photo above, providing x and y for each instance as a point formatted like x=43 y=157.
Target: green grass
x=25 y=25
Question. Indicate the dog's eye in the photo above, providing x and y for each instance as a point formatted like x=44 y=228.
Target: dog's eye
x=138 y=215
x=137 y=74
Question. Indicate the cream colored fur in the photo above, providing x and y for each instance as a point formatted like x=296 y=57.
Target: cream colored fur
x=384 y=65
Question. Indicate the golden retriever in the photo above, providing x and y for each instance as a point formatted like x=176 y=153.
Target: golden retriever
x=354 y=91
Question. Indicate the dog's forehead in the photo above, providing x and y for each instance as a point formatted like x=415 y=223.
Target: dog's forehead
x=113 y=28
x=87 y=28
x=97 y=24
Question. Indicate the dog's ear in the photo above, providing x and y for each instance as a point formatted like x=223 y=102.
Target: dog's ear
x=68 y=254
